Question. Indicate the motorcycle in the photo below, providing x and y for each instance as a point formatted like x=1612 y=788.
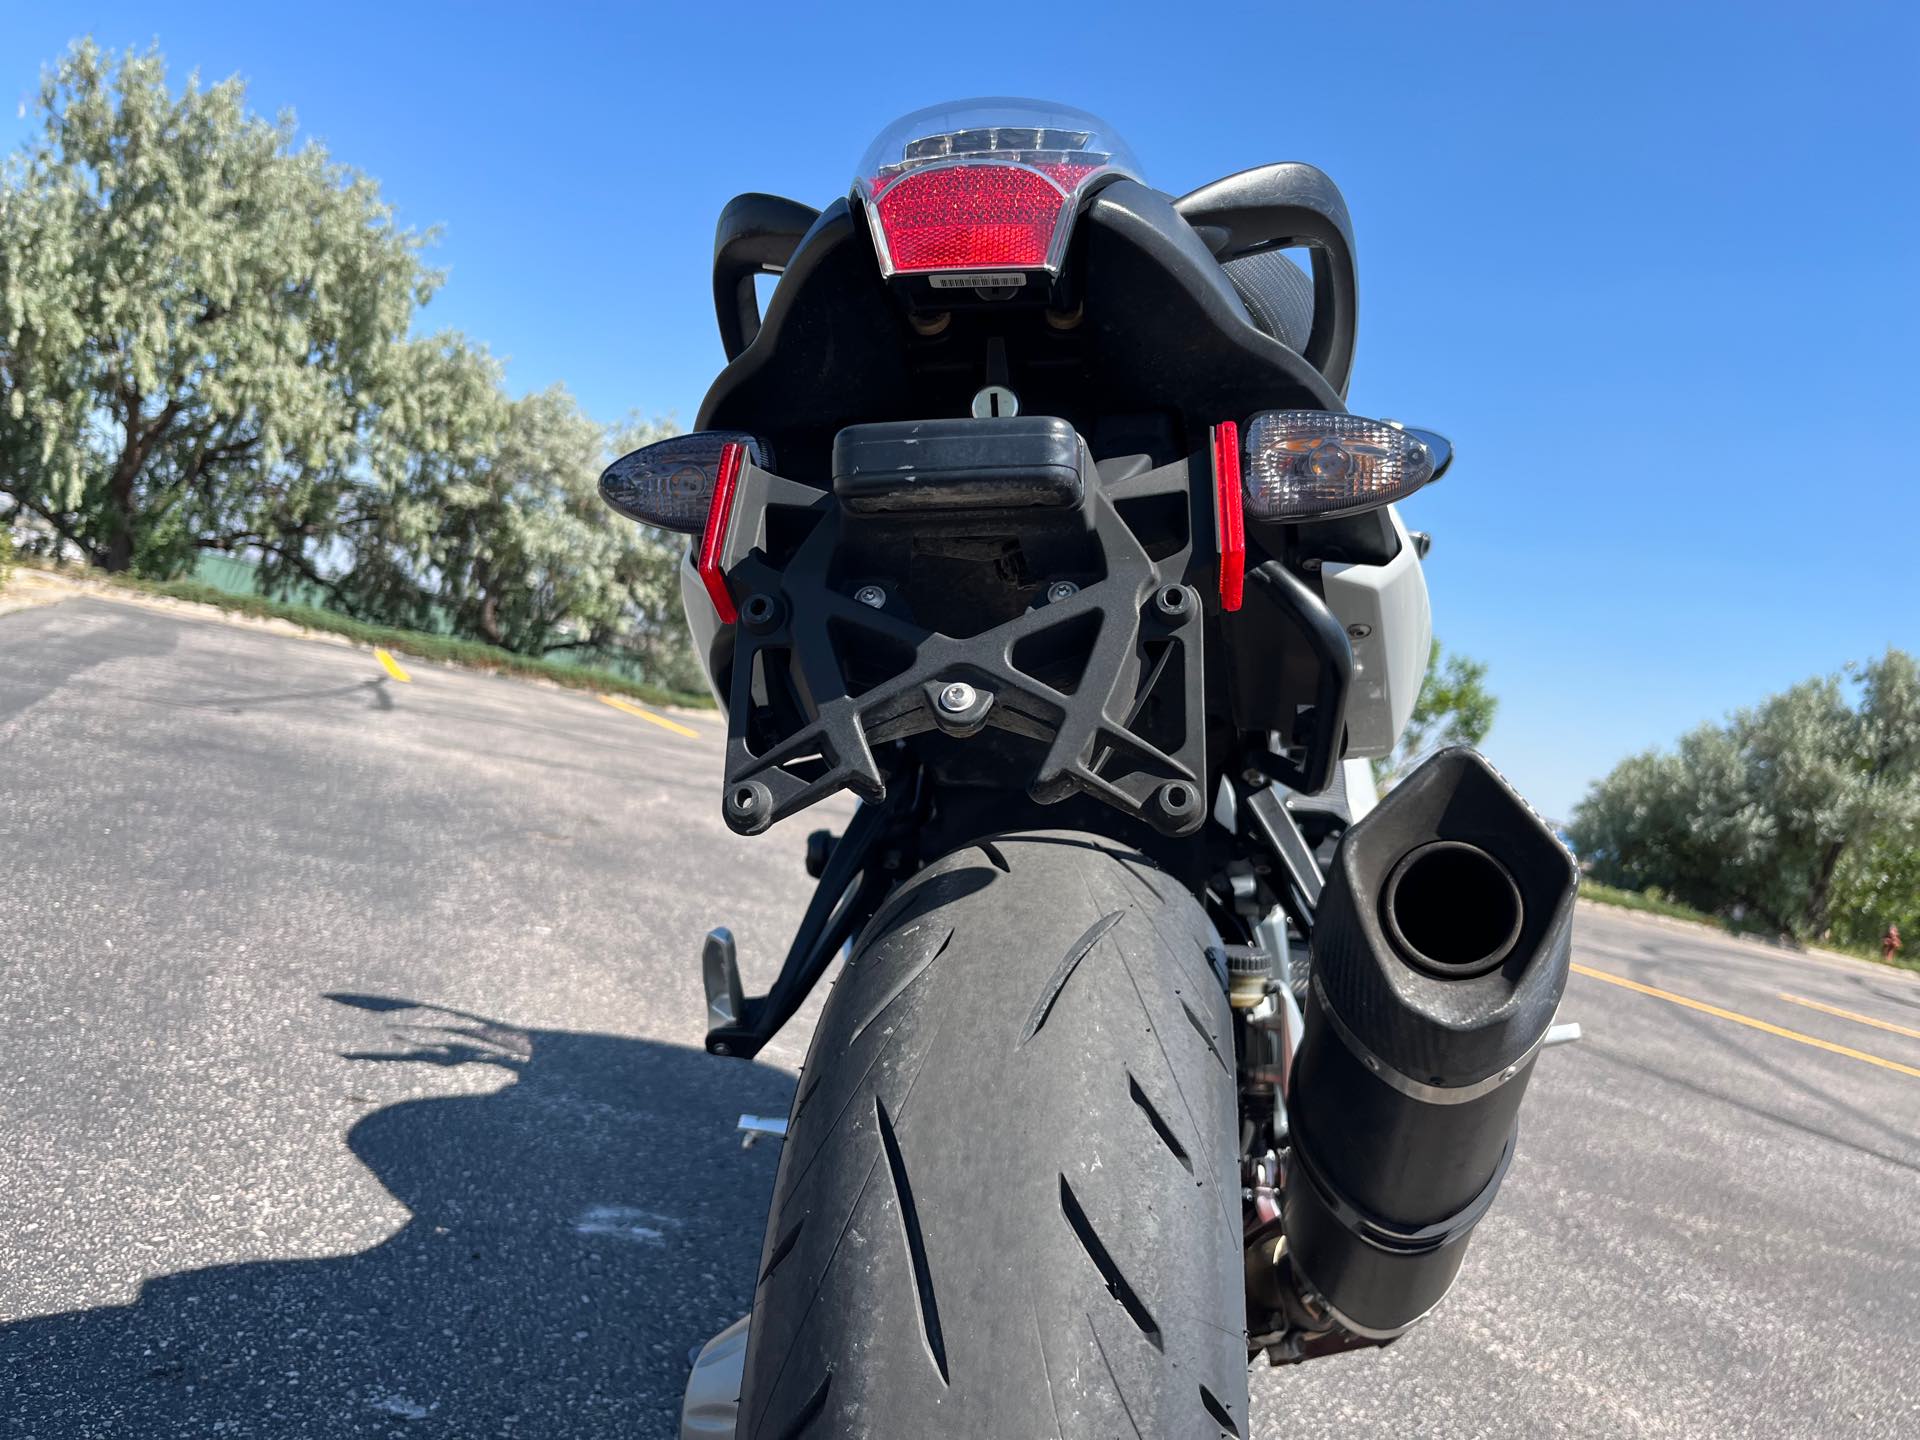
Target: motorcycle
x=1031 y=513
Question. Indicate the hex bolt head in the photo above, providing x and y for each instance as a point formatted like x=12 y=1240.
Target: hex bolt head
x=761 y=612
x=957 y=698
x=1062 y=590
x=871 y=595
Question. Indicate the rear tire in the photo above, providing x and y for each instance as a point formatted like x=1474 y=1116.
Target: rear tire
x=1008 y=1204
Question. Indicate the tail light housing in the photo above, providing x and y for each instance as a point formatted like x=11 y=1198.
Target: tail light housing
x=1317 y=465
x=981 y=194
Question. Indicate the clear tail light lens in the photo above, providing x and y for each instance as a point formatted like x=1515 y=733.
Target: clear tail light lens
x=671 y=483
x=983 y=185
x=1313 y=465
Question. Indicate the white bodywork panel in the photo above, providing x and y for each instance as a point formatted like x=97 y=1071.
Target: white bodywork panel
x=1362 y=793
x=1386 y=613
x=703 y=622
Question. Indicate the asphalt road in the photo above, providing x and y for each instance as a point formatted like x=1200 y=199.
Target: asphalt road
x=351 y=1086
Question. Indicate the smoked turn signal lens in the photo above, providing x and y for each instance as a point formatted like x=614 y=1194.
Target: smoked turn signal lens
x=671 y=482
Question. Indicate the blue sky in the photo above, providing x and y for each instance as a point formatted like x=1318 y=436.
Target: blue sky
x=1656 y=269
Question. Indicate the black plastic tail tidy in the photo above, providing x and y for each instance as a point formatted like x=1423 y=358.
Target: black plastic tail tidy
x=968 y=579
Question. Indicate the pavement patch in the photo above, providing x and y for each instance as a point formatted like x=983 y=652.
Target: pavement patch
x=624 y=1222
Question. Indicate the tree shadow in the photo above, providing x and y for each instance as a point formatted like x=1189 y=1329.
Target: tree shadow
x=573 y=1235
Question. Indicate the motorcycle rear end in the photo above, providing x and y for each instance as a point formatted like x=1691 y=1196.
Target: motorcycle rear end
x=1031 y=513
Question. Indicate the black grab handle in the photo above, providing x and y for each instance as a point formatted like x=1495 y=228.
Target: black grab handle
x=1274 y=206
x=757 y=235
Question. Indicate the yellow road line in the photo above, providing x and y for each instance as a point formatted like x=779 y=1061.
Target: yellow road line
x=1747 y=1020
x=665 y=724
x=391 y=666
x=1850 y=1015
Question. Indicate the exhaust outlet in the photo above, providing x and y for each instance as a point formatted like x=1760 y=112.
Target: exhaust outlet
x=1440 y=951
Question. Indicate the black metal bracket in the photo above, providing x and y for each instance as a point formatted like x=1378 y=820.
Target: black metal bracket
x=1299 y=875
x=852 y=884
x=1274 y=590
x=1137 y=621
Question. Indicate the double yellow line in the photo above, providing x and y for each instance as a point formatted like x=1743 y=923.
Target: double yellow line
x=1737 y=1018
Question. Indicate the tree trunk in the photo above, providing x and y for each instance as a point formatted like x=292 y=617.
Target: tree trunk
x=117 y=558
x=490 y=621
x=1819 y=900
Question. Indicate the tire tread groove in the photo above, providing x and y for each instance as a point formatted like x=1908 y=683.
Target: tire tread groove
x=916 y=1241
x=1056 y=982
x=1103 y=1261
x=1159 y=1124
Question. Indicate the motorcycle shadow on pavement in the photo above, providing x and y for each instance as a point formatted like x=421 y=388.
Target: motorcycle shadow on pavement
x=573 y=1235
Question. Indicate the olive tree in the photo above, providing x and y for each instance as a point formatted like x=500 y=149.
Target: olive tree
x=198 y=317
x=1802 y=800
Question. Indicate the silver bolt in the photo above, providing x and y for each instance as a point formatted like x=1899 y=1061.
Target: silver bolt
x=1359 y=632
x=1254 y=778
x=957 y=698
x=1062 y=590
x=871 y=595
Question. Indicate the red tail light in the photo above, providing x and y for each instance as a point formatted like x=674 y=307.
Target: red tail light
x=969 y=217
x=985 y=190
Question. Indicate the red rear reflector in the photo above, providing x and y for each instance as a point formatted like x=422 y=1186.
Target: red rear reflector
x=970 y=217
x=713 y=542
x=1229 y=522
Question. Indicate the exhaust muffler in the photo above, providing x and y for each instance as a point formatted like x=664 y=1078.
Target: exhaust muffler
x=1440 y=951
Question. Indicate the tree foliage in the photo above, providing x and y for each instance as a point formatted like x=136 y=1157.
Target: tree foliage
x=206 y=344
x=1802 y=811
x=1454 y=708
x=198 y=317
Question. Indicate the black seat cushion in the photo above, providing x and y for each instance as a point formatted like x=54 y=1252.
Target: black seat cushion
x=1277 y=292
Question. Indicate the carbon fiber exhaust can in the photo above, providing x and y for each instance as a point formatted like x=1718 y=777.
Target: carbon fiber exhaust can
x=1440 y=951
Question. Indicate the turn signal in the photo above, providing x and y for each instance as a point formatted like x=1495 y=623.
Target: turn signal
x=1314 y=465
x=671 y=483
